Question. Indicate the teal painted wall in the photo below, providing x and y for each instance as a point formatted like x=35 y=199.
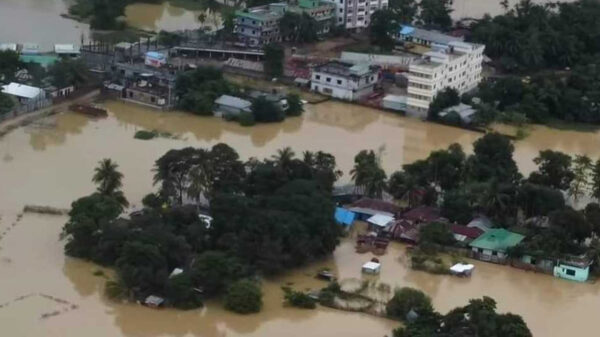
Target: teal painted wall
x=571 y=273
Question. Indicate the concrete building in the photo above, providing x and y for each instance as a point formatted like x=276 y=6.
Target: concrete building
x=258 y=26
x=322 y=11
x=356 y=14
x=344 y=80
x=454 y=65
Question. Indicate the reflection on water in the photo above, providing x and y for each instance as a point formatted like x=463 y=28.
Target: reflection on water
x=163 y=16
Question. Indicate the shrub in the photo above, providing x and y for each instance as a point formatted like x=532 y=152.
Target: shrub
x=244 y=297
x=298 y=299
x=407 y=299
x=145 y=134
x=246 y=119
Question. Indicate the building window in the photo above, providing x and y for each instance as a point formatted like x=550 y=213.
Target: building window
x=328 y=79
x=494 y=253
x=131 y=94
x=570 y=272
x=339 y=82
x=153 y=99
x=318 y=77
x=480 y=250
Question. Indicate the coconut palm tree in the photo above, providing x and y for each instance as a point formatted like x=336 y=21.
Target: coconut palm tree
x=284 y=156
x=107 y=177
x=109 y=180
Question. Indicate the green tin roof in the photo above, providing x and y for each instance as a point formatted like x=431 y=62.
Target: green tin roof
x=43 y=60
x=498 y=239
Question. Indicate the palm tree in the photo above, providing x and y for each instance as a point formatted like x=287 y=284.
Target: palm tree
x=284 y=156
x=109 y=181
x=107 y=177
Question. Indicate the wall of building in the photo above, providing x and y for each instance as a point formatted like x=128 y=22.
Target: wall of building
x=145 y=97
x=343 y=87
x=572 y=273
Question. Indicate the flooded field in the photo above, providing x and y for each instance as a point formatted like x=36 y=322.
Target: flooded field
x=157 y=17
x=44 y=293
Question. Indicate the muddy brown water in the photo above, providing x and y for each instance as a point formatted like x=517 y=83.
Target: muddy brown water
x=51 y=162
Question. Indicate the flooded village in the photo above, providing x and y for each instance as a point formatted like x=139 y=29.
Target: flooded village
x=49 y=161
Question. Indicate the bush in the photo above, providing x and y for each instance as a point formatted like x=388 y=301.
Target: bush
x=145 y=134
x=294 y=105
x=298 y=299
x=246 y=119
x=244 y=297
x=407 y=299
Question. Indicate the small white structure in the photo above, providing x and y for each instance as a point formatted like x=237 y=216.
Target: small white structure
x=380 y=220
x=154 y=301
x=394 y=102
x=371 y=267
x=155 y=59
x=206 y=218
x=227 y=105
x=464 y=111
x=66 y=49
x=461 y=269
x=8 y=46
x=24 y=93
x=176 y=272
x=344 y=80
x=30 y=49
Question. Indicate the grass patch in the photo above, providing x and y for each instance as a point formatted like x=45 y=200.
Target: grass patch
x=147 y=135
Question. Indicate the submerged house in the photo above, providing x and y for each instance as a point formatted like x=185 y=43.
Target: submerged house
x=574 y=268
x=493 y=245
x=423 y=214
x=367 y=207
x=230 y=106
x=465 y=235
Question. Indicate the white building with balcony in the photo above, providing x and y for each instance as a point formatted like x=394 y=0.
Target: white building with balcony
x=356 y=14
x=454 y=65
x=345 y=80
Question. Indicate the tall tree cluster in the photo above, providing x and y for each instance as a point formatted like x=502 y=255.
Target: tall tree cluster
x=268 y=215
x=532 y=36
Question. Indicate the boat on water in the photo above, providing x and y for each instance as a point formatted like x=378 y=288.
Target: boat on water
x=89 y=110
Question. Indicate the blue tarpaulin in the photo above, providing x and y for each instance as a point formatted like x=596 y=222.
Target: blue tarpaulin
x=406 y=30
x=344 y=216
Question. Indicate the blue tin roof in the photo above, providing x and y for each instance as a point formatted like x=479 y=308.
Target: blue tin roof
x=406 y=30
x=344 y=216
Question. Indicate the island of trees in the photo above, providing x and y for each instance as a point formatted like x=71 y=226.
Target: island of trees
x=267 y=216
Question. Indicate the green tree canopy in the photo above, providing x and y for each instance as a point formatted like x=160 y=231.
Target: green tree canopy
x=383 y=28
x=244 y=297
x=274 y=55
x=407 y=299
x=554 y=170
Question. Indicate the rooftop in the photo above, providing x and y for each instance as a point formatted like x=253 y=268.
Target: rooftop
x=423 y=214
x=266 y=12
x=427 y=35
x=66 y=49
x=345 y=68
x=233 y=101
x=21 y=90
x=376 y=206
x=497 y=239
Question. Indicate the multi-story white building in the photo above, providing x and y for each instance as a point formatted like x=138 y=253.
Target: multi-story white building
x=454 y=65
x=344 y=80
x=356 y=14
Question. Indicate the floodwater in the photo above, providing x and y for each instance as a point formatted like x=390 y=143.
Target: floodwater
x=157 y=17
x=39 y=21
x=44 y=293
